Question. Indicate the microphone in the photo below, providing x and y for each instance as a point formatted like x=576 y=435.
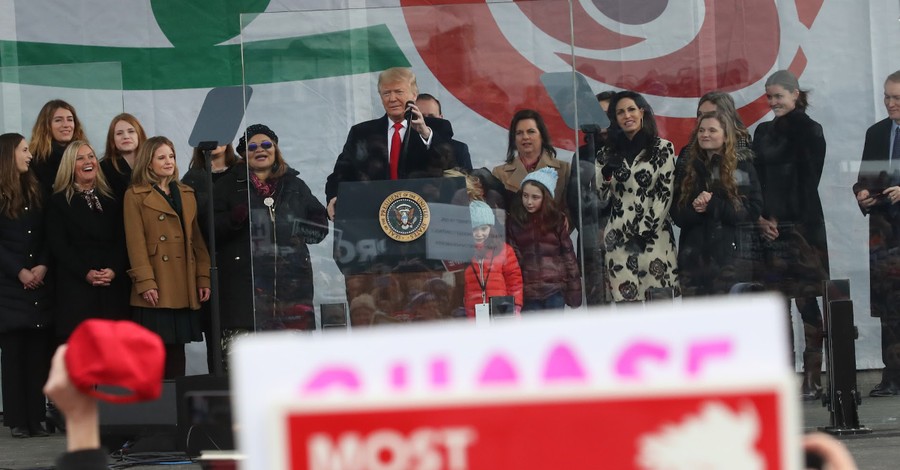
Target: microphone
x=408 y=116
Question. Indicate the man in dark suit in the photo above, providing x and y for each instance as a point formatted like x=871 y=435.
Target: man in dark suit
x=878 y=192
x=375 y=150
x=370 y=145
x=458 y=152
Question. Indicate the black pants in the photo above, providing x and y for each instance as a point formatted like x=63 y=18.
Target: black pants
x=890 y=349
x=24 y=366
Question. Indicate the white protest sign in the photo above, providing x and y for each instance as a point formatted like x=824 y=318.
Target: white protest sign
x=659 y=349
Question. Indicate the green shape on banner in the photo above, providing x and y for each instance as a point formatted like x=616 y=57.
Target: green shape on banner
x=352 y=51
x=91 y=76
x=202 y=24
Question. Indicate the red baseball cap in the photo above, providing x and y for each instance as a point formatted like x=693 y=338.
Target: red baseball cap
x=119 y=354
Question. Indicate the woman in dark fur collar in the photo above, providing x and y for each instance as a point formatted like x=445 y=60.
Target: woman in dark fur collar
x=635 y=173
x=717 y=196
x=790 y=155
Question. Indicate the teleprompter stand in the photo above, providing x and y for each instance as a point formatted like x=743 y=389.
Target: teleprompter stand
x=218 y=122
x=580 y=110
x=842 y=397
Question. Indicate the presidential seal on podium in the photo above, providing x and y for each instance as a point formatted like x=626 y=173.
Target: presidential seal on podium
x=404 y=216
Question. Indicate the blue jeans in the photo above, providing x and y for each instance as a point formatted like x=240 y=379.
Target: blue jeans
x=554 y=302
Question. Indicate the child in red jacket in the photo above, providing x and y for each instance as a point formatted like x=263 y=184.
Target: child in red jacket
x=494 y=270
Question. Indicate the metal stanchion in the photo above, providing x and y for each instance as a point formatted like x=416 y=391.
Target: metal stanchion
x=842 y=397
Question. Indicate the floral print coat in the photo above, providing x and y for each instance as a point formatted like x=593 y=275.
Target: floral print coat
x=640 y=247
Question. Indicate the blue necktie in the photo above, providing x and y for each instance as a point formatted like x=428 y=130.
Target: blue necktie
x=895 y=153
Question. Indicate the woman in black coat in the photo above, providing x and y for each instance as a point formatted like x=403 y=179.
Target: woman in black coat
x=123 y=138
x=716 y=203
x=87 y=239
x=26 y=298
x=790 y=155
x=222 y=161
x=283 y=217
x=57 y=124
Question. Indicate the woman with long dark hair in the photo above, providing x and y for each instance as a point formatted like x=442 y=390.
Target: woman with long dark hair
x=56 y=125
x=529 y=149
x=124 y=137
x=223 y=159
x=26 y=300
x=716 y=198
x=635 y=171
x=790 y=156
x=169 y=260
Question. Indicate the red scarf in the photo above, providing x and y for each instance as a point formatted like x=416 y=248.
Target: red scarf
x=264 y=188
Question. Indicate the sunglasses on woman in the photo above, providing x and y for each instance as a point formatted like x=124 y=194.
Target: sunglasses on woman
x=252 y=146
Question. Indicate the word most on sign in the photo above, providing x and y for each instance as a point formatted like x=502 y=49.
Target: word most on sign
x=706 y=428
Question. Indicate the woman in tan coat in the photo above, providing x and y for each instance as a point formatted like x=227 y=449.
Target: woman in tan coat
x=169 y=260
x=529 y=149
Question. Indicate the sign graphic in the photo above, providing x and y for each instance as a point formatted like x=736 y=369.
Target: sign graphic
x=544 y=392
x=742 y=428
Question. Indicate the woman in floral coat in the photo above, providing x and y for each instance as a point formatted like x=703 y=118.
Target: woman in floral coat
x=635 y=170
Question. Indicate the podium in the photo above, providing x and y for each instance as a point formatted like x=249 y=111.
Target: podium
x=396 y=240
x=400 y=225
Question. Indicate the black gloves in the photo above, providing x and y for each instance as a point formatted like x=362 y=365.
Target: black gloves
x=613 y=163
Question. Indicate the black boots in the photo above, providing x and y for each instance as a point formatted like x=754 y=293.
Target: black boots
x=55 y=419
x=812 y=362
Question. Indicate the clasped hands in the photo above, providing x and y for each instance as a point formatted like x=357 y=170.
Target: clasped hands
x=768 y=227
x=100 y=277
x=33 y=278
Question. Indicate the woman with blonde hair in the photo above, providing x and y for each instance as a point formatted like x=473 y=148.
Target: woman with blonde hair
x=124 y=137
x=715 y=197
x=87 y=239
x=26 y=299
x=57 y=124
x=169 y=259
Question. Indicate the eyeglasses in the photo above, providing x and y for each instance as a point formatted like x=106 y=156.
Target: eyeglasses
x=252 y=146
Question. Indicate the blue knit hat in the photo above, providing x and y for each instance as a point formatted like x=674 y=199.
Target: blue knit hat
x=481 y=214
x=546 y=176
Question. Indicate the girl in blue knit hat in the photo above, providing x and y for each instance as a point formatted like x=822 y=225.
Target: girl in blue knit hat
x=494 y=270
x=537 y=231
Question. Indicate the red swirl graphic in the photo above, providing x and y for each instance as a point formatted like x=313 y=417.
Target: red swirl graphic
x=736 y=46
x=554 y=21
